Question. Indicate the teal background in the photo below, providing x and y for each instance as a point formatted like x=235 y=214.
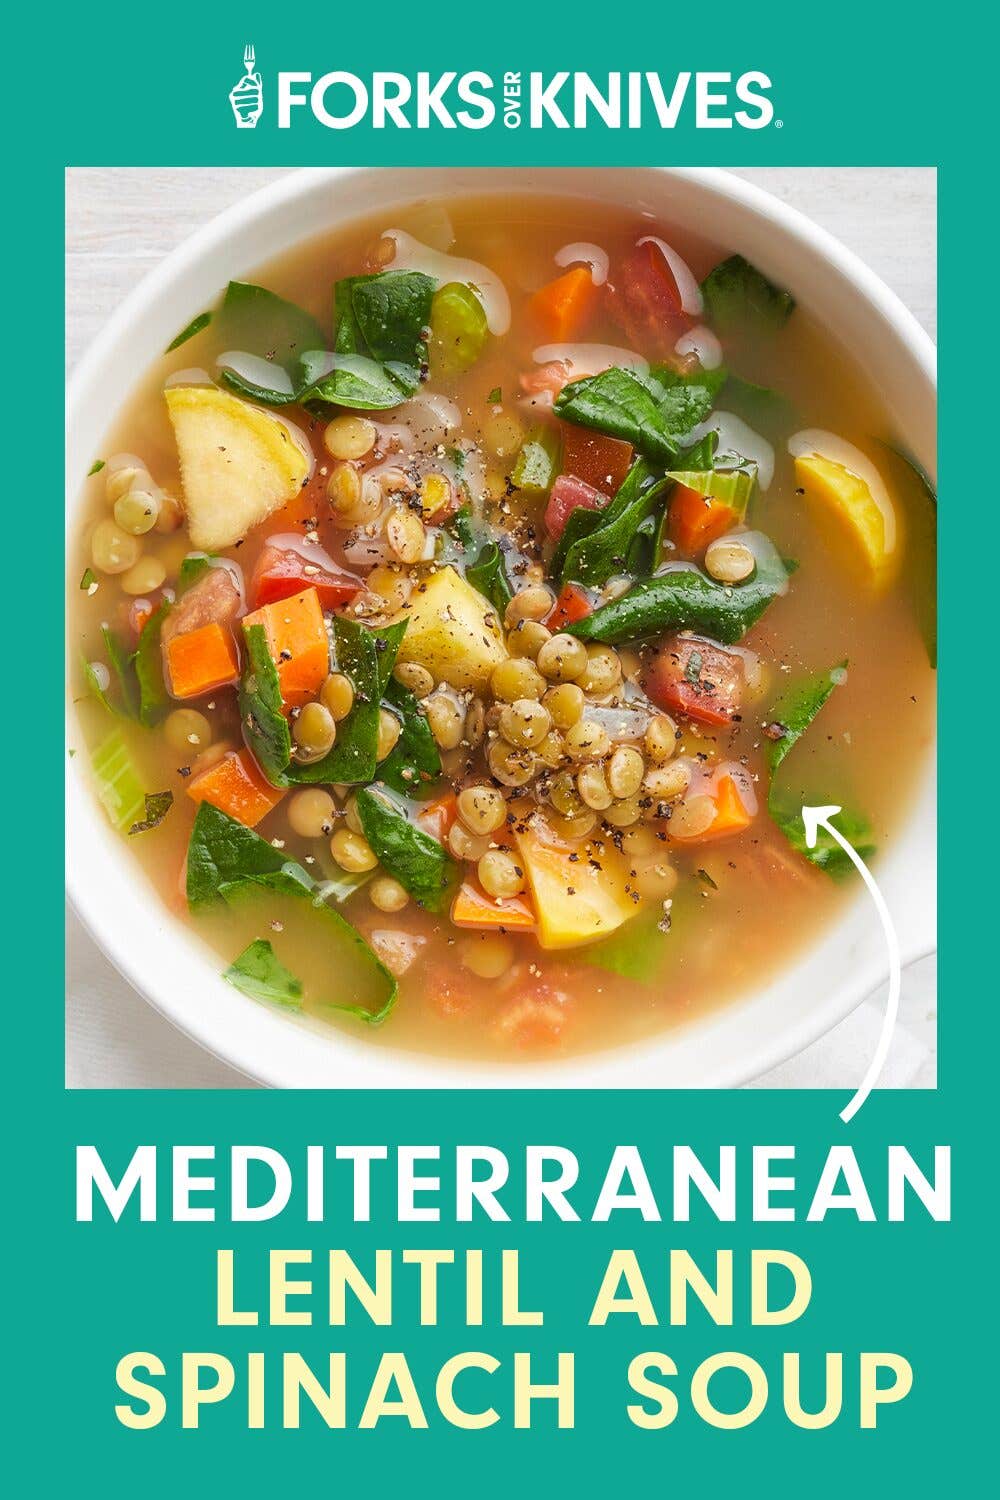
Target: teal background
x=858 y=86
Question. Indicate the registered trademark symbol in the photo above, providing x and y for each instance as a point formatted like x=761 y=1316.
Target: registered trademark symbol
x=778 y=124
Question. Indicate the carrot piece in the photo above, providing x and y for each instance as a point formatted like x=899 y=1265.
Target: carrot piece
x=696 y=520
x=573 y=604
x=199 y=661
x=473 y=908
x=731 y=815
x=562 y=307
x=298 y=643
x=236 y=785
x=437 y=817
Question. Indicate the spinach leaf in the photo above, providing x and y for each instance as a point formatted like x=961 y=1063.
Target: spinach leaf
x=367 y=658
x=225 y=860
x=742 y=303
x=254 y=321
x=225 y=856
x=97 y=691
x=148 y=663
x=635 y=951
x=701 y=455
x=195 y=326
x=685 y=598
x=120 y=662
x=795 y=710
x=96 y=467
x=488 y=574
x=826 y=853
x=414 y=761
x=192 y=567
x=158 y=804
x=583 y=522
x=88 y=581
x=685 y=400
x=758 y=404
x=352 y=758
x=920 y=575
x=793 y=713
x=259 y=973
x=418 y=862
x=265 y=727
x=380 y=348
x=139 y=674
x=652 y=412
x=605 y=552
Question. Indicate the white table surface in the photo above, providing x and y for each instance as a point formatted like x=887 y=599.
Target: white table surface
x=120 y=222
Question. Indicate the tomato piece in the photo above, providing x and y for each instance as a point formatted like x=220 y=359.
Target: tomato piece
x=598 y=460
x=282 y=572
x=573 y=604
x=693 y=676
x=544 y=383
x=696 y=520
x=565 y=495
x=643 y=299
x=538 y=1013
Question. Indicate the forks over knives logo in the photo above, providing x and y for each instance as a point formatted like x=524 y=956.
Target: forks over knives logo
x=475 y=100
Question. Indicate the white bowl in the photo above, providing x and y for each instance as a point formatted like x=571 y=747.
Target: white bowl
x=168 y=963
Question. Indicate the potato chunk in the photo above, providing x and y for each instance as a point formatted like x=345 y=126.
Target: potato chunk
x=452 y=631
x=576 y=903
x=238 y=463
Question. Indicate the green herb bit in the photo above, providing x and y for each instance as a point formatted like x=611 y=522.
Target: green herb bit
x=158 y=804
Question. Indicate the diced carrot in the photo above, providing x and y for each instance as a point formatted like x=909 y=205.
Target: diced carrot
x=437 y=817
x=573 y=604
x=562 y=307
x=696 y=520
x=199 y=661
x=473 y=908
x=236 y=785
x=596 y=459
x=298 y=643
x=731 y=815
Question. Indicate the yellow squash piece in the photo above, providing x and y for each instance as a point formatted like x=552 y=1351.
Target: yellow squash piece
x=849 y=500
x=238 y=463
x=575 y=902
x=452 y=631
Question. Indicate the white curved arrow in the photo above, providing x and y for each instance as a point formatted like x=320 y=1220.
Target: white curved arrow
x=814 y=818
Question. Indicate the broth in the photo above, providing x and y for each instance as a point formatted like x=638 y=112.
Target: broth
x=743 y=905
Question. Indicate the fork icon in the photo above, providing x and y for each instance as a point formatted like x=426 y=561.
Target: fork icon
x=247 y=98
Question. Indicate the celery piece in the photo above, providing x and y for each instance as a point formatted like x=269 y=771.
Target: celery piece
x=118 y=785
x=732 y=487
x=537 y=464
x=458 y=329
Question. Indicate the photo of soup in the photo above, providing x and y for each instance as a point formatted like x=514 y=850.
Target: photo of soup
x=466 y=605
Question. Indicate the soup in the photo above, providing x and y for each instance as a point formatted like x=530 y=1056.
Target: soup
x=469 y=604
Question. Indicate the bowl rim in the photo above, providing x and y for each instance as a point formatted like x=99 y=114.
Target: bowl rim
x=246 y=1049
